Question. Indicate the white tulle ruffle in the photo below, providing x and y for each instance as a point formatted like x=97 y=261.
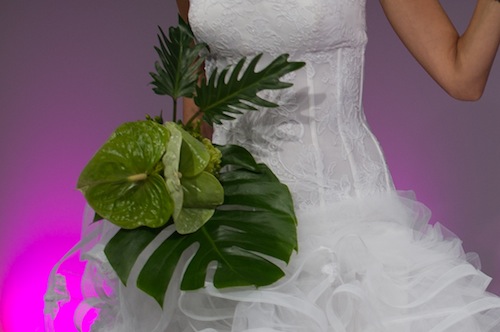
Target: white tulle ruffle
x=364 y=265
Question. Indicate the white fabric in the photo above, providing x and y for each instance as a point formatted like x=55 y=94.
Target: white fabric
x=368 y=261
x=317 y=141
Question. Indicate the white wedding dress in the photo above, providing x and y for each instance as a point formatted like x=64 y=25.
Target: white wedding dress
x=367 y=261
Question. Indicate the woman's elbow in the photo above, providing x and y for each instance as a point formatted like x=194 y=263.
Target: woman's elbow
x=465 y=91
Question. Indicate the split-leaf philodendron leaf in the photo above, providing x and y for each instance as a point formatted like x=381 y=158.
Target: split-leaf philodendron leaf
x=235 y=89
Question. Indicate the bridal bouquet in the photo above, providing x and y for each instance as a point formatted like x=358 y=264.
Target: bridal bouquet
x=153 y=176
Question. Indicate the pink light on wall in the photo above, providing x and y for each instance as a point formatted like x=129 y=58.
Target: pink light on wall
x=22 y=305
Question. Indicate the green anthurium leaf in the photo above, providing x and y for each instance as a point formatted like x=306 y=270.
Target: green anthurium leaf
x=240 y=237
x=192 y=219
x=194 y=155
x=122 y=181
x=171 y=161
x=236 y=89
x=202 y=191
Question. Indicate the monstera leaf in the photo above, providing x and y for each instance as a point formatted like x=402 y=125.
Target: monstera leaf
x=249 y=227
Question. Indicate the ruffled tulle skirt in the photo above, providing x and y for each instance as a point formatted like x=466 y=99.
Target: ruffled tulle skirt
x=363 y=265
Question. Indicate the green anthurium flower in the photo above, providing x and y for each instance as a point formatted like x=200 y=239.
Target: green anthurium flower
x=190 y=220
x=123 y=181
x=171 y=173
x=202 y=191
x=202 y=194
x=194 y=155
x=194 y=192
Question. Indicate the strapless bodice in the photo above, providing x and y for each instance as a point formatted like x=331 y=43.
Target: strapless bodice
x=317 y=141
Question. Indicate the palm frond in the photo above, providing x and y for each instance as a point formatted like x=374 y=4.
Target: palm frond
x=180 y=62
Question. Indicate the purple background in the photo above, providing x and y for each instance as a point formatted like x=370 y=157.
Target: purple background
x=71 y=71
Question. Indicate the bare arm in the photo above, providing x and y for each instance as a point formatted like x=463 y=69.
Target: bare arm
x=459 y=64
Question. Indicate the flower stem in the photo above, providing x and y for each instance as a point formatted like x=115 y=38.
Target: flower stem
x=174 y=115
x=194 y=117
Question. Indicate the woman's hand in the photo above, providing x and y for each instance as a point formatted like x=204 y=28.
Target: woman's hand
x=460 y=64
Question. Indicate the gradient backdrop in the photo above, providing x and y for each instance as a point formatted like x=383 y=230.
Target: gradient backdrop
x=72 y=71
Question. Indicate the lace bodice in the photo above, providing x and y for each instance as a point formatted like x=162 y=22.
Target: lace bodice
x=317 y=141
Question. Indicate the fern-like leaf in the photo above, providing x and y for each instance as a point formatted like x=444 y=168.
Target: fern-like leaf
x=234 y=90
x=180 y=62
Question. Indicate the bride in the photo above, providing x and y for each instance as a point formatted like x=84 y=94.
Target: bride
x=368 y=260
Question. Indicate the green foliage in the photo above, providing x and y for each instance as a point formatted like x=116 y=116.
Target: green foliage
x=246 y=229
x=151 y=175
x=180 y=63
x=224 y=94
